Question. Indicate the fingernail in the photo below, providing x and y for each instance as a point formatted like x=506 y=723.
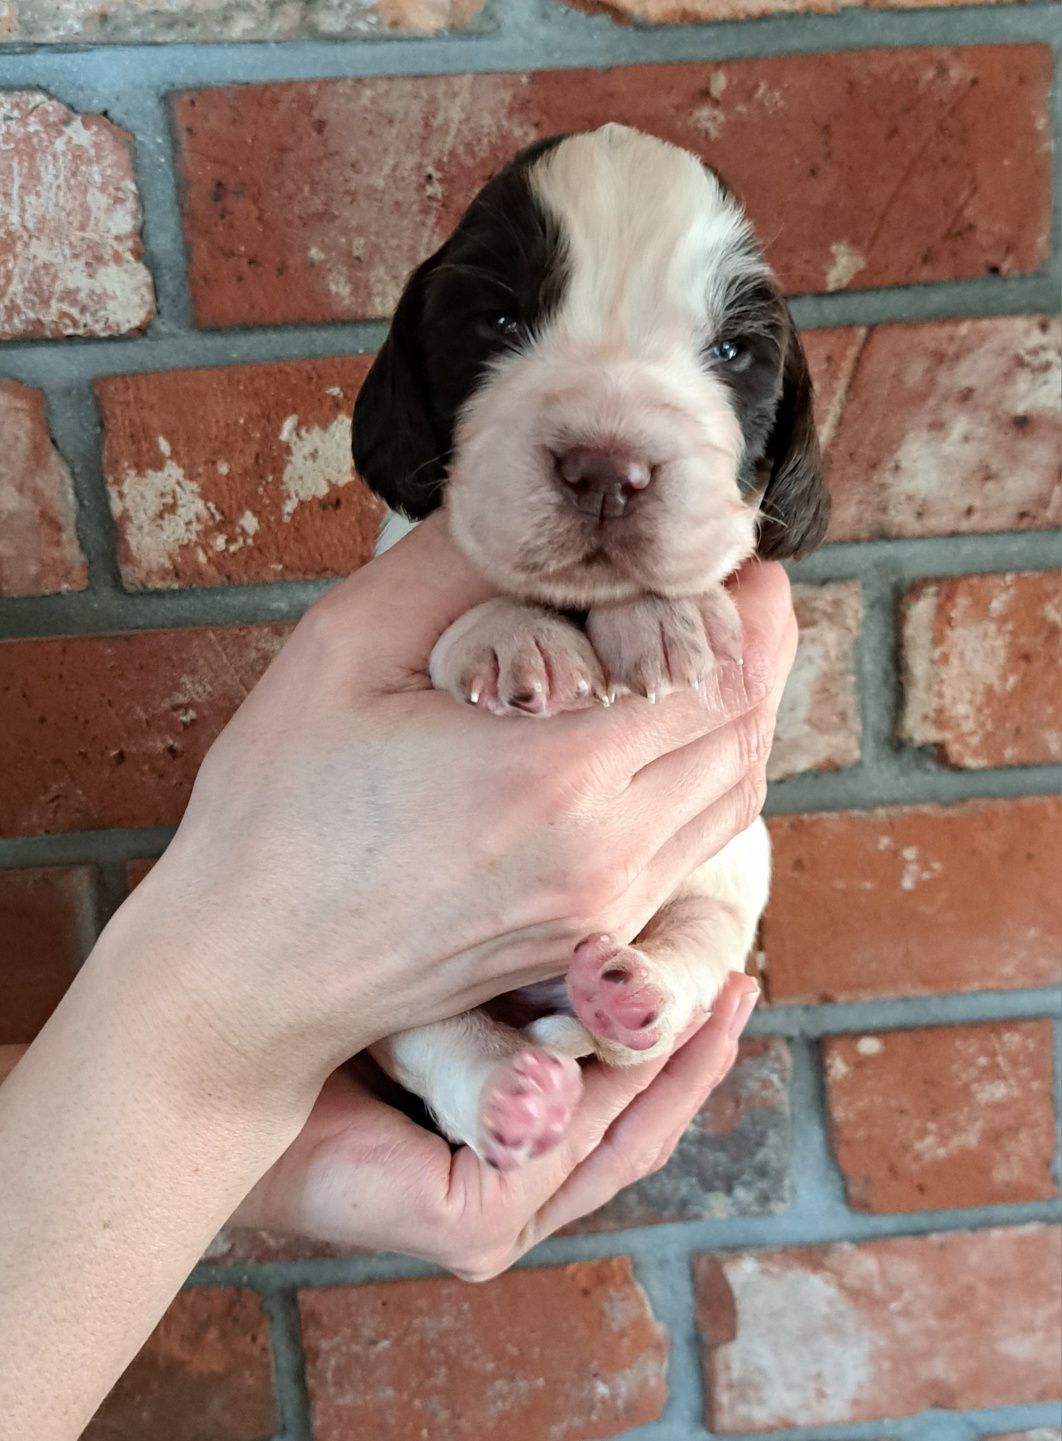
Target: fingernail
x=745 y=1007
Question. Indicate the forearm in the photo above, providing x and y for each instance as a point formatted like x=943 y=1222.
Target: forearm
x=122 y=1156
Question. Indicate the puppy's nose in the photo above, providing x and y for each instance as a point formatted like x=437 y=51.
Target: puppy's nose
x=601 y=482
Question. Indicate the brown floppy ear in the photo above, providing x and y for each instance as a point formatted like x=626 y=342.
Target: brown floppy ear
x=400 y=441
x=795 y=505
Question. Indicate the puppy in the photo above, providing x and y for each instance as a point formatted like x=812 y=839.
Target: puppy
x=598 y=377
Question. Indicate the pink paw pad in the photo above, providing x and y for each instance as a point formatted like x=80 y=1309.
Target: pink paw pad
x=614 y=995
x=526 y=1107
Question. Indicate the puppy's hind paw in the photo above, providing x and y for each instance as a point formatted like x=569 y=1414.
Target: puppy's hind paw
x=616 y=996
x=526 y=1107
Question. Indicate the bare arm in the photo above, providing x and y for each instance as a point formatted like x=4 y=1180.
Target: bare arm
x=266 y=948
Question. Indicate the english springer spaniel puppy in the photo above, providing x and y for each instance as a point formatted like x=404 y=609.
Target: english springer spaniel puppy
x=597 y=376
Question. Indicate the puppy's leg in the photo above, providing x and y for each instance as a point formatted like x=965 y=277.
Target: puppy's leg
x=637 y=999
x=512 y=658
x=487 y=1085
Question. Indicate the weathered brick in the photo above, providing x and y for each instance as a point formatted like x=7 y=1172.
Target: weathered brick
x=818 y=721
x=733 y=1159
x=932 y=164
x=570 y=1351
x=232 y=475
x=695 y=12
x=47 y=927
x=944 y=1116
x=99 y=22
x=103 y=730
x=829 y=1335
x=39 y=551
x=205 y=1374
x=980 y=669
x=70 y=228
x=914 y=901
x=948 y=427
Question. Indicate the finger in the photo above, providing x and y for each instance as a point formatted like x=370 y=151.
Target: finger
x=698 y=841
x=645 y=1133
x=425 y=579
x=635 y=733
x=677 y=787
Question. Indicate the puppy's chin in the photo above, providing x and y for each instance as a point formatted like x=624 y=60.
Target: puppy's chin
x=546 y=553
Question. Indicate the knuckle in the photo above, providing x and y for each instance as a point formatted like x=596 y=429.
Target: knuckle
x=755 y=736
x=485 y=1266
x=751 y=796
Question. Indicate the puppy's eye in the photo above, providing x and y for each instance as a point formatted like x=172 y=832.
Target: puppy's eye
x=725 y=351
x=506 y=326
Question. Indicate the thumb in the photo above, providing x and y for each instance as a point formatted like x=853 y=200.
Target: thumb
x=399 y=604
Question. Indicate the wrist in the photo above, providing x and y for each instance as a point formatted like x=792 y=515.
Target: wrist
x=225 y=1036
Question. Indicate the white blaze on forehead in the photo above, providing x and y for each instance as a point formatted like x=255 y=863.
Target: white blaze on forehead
x=651 y=242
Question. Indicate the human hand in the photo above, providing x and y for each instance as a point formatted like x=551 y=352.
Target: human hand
x=362 y=1174
x=360 y=853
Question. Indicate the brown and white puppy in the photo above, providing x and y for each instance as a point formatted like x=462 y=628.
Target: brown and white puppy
x=597 y=375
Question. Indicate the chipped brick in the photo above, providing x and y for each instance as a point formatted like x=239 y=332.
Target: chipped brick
x=240 y=474
x=980 y=669
x=70 y=243
x=39 y=550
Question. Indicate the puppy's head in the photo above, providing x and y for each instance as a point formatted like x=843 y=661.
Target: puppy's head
x=598 y=373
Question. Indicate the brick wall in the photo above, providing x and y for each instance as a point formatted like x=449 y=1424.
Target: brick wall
x=197 y=243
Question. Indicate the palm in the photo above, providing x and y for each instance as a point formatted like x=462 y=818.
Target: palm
x=363 y=1174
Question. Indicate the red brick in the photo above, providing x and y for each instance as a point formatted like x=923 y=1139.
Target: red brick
x=980 y=669
x=100 y=731
x=694 y=12
x=818 y=721
x=570 y=1352
x=244 y=474
x=733 y=1159
x=945 y=1116
x=931 y=164
x=70 y=236
x=950 y=427
x=47 y=926
x=829 y=1335
x=205 y=1374
x=39 y=551
x=914 y=901
x=100 y=22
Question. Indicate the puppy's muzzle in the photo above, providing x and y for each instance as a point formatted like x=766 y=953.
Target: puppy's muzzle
x=601 y=483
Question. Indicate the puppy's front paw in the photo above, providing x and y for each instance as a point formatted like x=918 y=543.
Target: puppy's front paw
x=653 y=645
x=517 y=659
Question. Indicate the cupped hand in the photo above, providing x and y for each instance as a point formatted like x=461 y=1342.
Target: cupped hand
x=362 y=1174
x=362 y=854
